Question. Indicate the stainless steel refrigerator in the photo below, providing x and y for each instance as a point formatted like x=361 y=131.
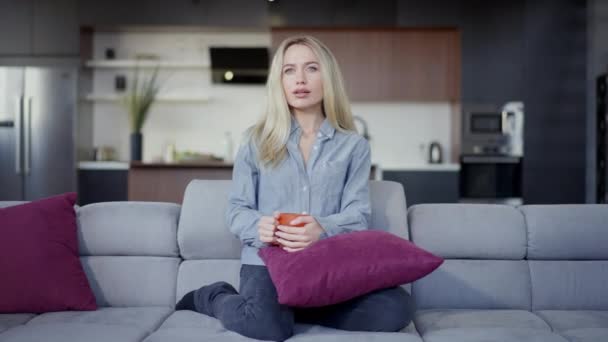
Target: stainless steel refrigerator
x=37 y=131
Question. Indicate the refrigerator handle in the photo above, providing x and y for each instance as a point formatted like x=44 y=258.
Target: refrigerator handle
x=27 y=136
x=18 y=131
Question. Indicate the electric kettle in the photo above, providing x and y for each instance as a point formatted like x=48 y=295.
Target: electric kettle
x=435 y=153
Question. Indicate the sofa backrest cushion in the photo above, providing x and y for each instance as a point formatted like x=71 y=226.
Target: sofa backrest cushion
x=484 y=247
x=202 y=231
x=567 y=232
x=568 y=256
x=129 y=252
x=129 y=228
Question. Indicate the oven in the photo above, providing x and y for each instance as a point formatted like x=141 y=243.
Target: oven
x=492 y=157
x=491 y=179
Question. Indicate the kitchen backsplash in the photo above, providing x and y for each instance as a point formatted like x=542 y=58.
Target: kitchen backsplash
x=398 y=131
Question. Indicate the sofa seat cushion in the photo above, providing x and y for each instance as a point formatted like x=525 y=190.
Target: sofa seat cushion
x=105 y=324
x=432 y=320
x=578 y=325
x=182 y=326
x=186 y=326
x=483 y=326
x=493 y=335
x=586 y=334
x=562 y=320
x=8 y=321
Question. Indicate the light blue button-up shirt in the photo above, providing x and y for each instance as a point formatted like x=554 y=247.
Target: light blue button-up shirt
x=333 y=186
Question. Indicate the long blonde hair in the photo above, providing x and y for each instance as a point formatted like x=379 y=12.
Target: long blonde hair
x=271 y=132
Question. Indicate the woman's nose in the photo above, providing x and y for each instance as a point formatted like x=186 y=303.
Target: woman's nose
x=300 y=77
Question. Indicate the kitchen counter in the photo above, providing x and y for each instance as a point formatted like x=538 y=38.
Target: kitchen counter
x=181 y=165
x=423 y=167
x=103 y=165
x=124 y=165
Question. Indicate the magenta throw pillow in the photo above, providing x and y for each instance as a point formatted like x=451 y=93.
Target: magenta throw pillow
x=345 y=266
x=40 y=269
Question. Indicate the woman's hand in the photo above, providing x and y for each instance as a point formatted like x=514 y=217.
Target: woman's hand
x=294 y=239
x=267 y=226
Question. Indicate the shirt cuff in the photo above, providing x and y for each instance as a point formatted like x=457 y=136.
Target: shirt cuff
x=329 y=226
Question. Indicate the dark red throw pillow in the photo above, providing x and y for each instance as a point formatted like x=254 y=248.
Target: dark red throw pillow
x=345 y=266
x=40 y=270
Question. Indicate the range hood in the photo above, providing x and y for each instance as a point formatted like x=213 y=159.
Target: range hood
x=239 y=65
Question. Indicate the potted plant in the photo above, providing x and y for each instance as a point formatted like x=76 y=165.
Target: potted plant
x=138 y=101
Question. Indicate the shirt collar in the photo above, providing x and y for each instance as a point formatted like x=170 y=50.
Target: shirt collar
x=326 y=128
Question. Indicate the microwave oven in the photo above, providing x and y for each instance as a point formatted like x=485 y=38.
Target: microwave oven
x=494 y=131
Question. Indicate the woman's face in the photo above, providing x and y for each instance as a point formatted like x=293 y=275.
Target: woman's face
x=301 y=79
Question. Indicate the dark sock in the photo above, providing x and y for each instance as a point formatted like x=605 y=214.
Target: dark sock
x=187 y=302
x=206 y=295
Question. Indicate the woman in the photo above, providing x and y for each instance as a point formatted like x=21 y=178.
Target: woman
x=304 y=155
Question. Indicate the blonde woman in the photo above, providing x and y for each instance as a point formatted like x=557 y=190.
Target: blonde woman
x=304 y=155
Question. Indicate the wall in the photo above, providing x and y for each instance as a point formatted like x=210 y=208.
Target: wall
x=397 y=129
x=597 y=63
x=555 y=97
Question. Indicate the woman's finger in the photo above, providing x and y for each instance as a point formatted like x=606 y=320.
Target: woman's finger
x=267 y=226
x=292 y=237
x=302 y=219
x=264 y=232
x=291 y=250
x=266 y=219
x=291 y=230
x=292 y=244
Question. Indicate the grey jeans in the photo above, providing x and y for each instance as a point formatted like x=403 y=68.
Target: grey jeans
x=255 y=312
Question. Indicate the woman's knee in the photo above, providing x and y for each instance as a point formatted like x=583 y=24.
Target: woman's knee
x=403 y=307
x=394 y=310
x=264 y=328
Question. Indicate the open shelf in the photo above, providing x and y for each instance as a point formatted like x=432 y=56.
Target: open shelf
x=132 y=63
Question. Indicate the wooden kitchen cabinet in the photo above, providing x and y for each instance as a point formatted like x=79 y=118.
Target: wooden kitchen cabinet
x=159 y=182
x=392 y=64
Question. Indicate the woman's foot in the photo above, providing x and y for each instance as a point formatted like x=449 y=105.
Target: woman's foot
x=186 y=303
x=202 y=300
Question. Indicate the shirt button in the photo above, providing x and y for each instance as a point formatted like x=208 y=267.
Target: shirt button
x=304 y=188
x=315 y=147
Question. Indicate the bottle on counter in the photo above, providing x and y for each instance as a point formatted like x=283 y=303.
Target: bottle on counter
x=169 y=156
x=228 y=147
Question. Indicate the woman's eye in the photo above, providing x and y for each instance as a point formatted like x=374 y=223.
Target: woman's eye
x=288 y=70
x=312 y=68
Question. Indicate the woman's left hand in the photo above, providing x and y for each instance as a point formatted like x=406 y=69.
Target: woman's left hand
x=295 y=239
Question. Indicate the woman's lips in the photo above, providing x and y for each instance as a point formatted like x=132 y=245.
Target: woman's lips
x=301 y=93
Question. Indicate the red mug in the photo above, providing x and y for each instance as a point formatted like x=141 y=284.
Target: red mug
x=285 y=220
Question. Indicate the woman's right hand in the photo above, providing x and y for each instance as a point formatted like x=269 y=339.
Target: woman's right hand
x=267 y=225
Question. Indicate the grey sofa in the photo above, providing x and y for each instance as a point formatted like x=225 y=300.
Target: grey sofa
x=535 y=273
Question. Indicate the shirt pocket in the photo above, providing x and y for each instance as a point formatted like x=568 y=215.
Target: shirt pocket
x=331 y=178
x=276 y=184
